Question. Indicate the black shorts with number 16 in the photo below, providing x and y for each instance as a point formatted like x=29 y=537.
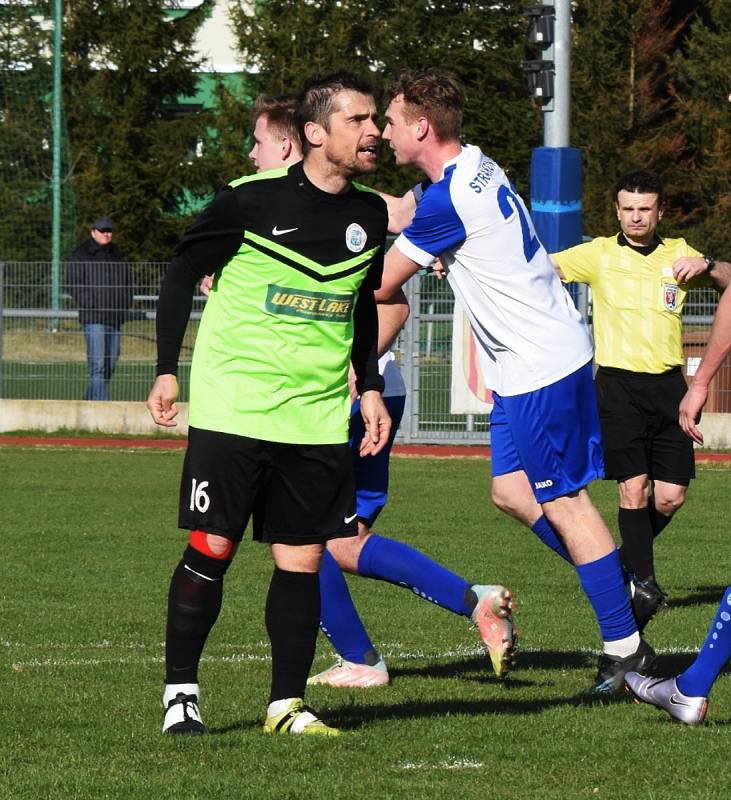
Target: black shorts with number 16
x=296 y=494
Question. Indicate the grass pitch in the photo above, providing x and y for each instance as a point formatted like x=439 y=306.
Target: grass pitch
x=88 y=547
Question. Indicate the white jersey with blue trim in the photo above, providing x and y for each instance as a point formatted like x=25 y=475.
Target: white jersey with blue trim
x=529 y=331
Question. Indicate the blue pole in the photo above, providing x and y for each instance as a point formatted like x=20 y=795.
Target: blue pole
x=555 y=196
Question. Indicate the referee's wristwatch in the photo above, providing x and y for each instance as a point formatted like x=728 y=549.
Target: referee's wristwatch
x=710 y=262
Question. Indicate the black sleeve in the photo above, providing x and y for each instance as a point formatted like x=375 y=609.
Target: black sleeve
x=208 y=244
x=365 y=334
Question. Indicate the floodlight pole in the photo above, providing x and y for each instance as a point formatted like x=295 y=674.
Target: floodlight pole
x=56 y=179
x=556 y=167
x=556 y=123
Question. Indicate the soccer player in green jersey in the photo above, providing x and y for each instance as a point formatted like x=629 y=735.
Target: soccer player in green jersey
x=359 y=665
x=297 y=254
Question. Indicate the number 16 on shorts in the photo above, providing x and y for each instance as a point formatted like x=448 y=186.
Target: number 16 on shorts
x=199 y=500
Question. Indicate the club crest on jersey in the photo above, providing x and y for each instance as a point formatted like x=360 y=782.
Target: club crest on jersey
x=670 y=296
x=355 y=238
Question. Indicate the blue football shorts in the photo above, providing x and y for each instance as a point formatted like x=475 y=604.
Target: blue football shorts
x=552 y=434
x=371 y=472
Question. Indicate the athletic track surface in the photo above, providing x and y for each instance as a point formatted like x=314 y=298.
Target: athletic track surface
x=429 y=451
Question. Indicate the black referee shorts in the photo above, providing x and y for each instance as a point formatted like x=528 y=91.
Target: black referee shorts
x=638 y=413
x=297 y=494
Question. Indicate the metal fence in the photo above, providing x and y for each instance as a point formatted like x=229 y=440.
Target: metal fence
x=43 y=351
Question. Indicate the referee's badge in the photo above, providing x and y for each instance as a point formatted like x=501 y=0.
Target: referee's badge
x=670 y=295
x=355 y=238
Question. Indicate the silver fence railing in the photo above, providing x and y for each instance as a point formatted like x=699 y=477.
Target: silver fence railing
x=43 y=350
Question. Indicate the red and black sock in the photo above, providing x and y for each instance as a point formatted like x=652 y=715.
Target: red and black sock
x=194 y=602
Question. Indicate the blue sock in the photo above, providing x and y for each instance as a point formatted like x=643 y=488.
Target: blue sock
x=339 y=620
x=602 y=583
x=392 y=561
x=543 y=530
x=697 y=680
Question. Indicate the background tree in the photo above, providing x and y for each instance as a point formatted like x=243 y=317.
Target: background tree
x=481 y=42
x=623 y=110
x=650 y=85
x=127 y=64
x=702 y=190
x=26 y=79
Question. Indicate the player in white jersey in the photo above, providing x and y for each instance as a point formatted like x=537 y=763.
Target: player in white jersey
x=534 y=347
x=499 y=276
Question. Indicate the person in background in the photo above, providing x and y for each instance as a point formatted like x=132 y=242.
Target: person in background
x=100 y=284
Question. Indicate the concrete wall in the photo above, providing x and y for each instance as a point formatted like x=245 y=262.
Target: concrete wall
x=84 y=415
x=134 y=419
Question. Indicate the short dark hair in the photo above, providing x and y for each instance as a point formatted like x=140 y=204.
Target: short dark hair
x=434 y=94
x=279 y=112
x=315 y=100
x=643 y=181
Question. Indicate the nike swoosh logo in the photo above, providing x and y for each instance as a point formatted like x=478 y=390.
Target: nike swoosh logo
x=277 y=232
x=348 y=520
x=676 y=701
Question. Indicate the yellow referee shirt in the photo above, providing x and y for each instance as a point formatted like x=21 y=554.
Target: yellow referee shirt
x=637 y=303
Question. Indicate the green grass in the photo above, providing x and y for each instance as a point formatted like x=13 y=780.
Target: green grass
x=89 y=544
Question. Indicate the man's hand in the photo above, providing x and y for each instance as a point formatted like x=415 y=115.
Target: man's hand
x=438 y=270
x=161 y=400
x=688 y=267
x=377 y=423
x=206 y=284
x=690 y=411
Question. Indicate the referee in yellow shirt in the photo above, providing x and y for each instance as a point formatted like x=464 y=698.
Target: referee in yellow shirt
x=639 y=283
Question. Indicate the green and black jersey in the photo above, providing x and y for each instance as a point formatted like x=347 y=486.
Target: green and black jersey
x=295 y=271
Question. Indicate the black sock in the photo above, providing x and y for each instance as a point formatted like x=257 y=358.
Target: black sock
x=292 y=619
x=659 y=521
x=193 y=606
x=636 y=551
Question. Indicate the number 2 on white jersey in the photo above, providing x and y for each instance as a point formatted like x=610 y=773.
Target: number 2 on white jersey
x=509 y=204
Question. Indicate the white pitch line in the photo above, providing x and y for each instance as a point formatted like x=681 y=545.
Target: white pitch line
x=236 y=658
x=453 y=763
x=105 y=644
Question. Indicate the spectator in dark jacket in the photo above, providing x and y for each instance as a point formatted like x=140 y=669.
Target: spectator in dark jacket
x=99 y=281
